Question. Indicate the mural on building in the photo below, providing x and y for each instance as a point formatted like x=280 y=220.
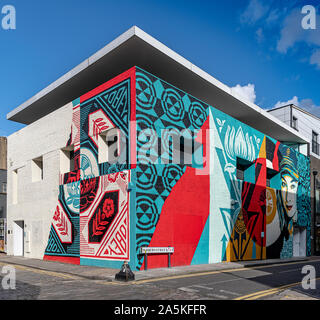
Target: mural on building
x=108 y=210
x=91 y=223
x=63 y=244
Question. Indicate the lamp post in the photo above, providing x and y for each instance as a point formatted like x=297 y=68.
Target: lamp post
x=315 y=173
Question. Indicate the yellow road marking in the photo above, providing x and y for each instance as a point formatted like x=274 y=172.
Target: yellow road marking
x=66 y=276
x=268 y=292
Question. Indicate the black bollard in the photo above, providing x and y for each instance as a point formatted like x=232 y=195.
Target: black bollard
x=125 y=273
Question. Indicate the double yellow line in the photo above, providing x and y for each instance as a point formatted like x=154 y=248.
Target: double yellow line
x=268 y=292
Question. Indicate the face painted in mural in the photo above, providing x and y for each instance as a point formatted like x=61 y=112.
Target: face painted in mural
x=289 y=185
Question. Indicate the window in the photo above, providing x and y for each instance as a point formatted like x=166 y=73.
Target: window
x=109 y=146
x=315 y=144
x=240 y=173
x=244 y=170
x=37 y=169
x=67 y=163
x=294 y=123
x=272 y=178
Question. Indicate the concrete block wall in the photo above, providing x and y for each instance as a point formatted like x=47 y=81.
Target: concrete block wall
x=36 y=200
x=3 y=153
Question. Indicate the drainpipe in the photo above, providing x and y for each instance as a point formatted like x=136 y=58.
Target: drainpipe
x=314 y=211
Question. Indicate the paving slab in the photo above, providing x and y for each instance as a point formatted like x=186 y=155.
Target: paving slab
x=254 y=263
x=88 y=272
x=106 y=274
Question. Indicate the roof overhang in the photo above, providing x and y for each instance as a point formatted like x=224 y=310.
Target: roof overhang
x=137 y=48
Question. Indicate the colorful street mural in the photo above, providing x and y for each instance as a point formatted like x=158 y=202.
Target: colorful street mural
x=108 y=210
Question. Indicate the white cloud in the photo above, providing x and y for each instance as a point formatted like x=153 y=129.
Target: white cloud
x=292 y=32
x=254 y=12
x=306 y=104
x=294 y=101
x=310 y=106
x=247 y=92
x=315 y=58
x=273 y=16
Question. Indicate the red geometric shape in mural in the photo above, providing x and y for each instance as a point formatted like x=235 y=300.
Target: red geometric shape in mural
x=103 y=216
x=175 y=227
x=104 y=226
x=88 y=191
x=254 y=212
x=116 y=246
x=98 y=122
x=183 y=232
x=62 y=224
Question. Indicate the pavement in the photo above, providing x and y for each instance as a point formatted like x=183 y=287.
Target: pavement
x=97 y=273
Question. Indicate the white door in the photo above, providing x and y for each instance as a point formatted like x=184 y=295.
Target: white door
x=296 y=242
x=18 y=238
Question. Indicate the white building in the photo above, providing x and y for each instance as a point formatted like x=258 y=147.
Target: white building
x=304 y=122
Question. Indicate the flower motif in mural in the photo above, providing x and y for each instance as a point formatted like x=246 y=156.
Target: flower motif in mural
x=99 y=224
x=108 y=208
x=56 y=216
x=62 y=226
x=73 y=195
x=229 y=167
x=258 y=140
x=112 y=177
x=238 y=144
x=103 y=216
x=221 y=124
x=88 y=193
x=61 y=223
x=86 y=167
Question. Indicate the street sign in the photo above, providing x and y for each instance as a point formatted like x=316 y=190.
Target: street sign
x=147 y=250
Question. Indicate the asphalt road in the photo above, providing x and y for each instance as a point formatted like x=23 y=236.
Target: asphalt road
x=281 y=282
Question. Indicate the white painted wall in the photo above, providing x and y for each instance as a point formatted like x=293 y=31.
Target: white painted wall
x=36 y=201
x=306 y=123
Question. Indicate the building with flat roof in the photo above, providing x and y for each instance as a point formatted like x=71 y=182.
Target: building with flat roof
x=308 y=125
x=3 y=192
x=137 y=147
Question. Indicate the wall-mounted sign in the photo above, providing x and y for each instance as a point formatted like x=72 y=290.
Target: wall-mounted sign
x=148 y=250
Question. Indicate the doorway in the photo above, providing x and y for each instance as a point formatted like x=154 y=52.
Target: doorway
x=18 y=238
x=299 y=242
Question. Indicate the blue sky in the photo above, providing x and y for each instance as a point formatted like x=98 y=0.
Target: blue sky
x=256 y=47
